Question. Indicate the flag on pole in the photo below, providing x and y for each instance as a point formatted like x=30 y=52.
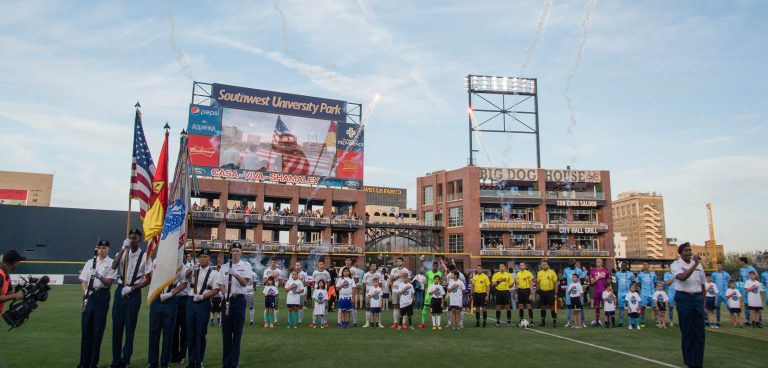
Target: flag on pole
x=142 y=166
x=324 y=160
x=173 y=236
x=285 y=144
x=158 y=201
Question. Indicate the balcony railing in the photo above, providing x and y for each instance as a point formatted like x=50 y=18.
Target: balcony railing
x=199 y=244
x=278 y=247
x=511 y=225
x=510 y=194
x=578 y=224
x=242 y=217
x=575 y=195
x=278 y=220
x=347 y=222
x=512 y=252
x=207 y=215
x=346 y=248
x=578 y=253
x=314 y=221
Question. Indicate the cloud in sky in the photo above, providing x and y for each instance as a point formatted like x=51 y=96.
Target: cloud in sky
x=669 y=96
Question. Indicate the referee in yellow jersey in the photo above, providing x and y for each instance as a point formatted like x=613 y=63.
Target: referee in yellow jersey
x=546 y=280
x=480 y=291
x=523 y=280
x=502 y=282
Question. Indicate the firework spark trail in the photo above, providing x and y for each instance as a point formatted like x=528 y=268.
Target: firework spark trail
x=181 y=56
x=540 y=28
x=569 y=78
x=479 y=136
x=283 y=23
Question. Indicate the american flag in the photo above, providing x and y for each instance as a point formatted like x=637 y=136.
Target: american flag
x=285 y=144
x=142 y=166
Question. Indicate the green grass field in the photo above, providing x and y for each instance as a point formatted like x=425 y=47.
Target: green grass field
x=51 y=338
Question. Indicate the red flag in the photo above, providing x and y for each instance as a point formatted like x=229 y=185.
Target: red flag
x=158 y=202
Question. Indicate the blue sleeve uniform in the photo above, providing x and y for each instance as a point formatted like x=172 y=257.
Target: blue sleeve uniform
x=647 y=282
x=623 y=280
x=720 y=279
x=670 y=288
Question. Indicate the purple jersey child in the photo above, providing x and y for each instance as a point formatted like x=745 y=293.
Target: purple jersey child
x=599 y=277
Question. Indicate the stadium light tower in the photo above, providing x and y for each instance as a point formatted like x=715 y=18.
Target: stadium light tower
x=508 y=105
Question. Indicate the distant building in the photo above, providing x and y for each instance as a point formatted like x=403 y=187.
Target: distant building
x=705 y=252
x=385 y=196
x=619 y=245
x=670 y=250
x=25 y=189
x=640 y=217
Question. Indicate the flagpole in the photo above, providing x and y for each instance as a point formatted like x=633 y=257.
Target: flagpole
x=128 y=215
x=317 y=162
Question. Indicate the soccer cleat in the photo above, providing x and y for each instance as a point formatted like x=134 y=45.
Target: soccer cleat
x=394 y=326
x=439 y=327
x=642 y=325
x=568 y=325
x=312 y=324
x=412 y=328
x=366 y=325
x=399 y=327
x=434 y=327
x=421 y=326
x=498 y=324
x=266 y=325
x=630 y=327
x=405 y=326
x=325 y=324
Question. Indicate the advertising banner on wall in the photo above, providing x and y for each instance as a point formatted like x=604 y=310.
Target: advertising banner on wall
x=252 y=134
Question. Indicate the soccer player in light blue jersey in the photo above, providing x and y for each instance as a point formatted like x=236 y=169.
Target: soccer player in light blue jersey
x=624 y=278
x=669 y=286
x=720 y=278
x=647 y=281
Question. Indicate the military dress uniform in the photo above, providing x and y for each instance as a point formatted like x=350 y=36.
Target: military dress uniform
x=96 y=306
x=232 y=322
x=162 y=320
x=179 y=345
x=202 y=280
x=125 y=309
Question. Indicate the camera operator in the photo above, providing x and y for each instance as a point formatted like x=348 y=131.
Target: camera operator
x=11 y=260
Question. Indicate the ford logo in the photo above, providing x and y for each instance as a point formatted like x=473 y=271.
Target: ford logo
x=352 y=183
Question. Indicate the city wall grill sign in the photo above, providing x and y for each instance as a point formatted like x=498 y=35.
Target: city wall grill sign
x=574 y=176
x=578 y=230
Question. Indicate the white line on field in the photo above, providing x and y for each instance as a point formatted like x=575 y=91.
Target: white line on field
x=598 y=347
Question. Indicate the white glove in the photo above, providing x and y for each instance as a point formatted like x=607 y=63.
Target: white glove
x=198 y=298
x=165 y=296
x=126 y=243
x=126 y=290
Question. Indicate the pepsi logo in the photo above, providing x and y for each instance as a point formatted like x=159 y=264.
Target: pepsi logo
x=195 y=110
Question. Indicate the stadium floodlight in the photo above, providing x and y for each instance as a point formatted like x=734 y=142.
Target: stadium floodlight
x=505 y=85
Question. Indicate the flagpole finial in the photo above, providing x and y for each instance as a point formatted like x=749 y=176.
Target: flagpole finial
x=183 y=132
x=137 y=105
x=167 y=127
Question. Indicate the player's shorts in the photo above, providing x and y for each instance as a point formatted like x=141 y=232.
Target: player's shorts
x=503 y=297
x=634 y=314
x=575 y=304
x=455 y=307
x=546 y=298
x=294 y=306
x=661 y=306
x=756 y=309
x=479 y=300
x=374 y=310
x=407 y=310
x=610 y=314
x=216 y=304
x=711 y=303
x=396 y=298
x=385 y=296
x=734 y=310
x=345 y=304
x=646 y=300
x=622 y=301
x=523 y=296
x=270 y=301
x=249 y=301
x=436 y=305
